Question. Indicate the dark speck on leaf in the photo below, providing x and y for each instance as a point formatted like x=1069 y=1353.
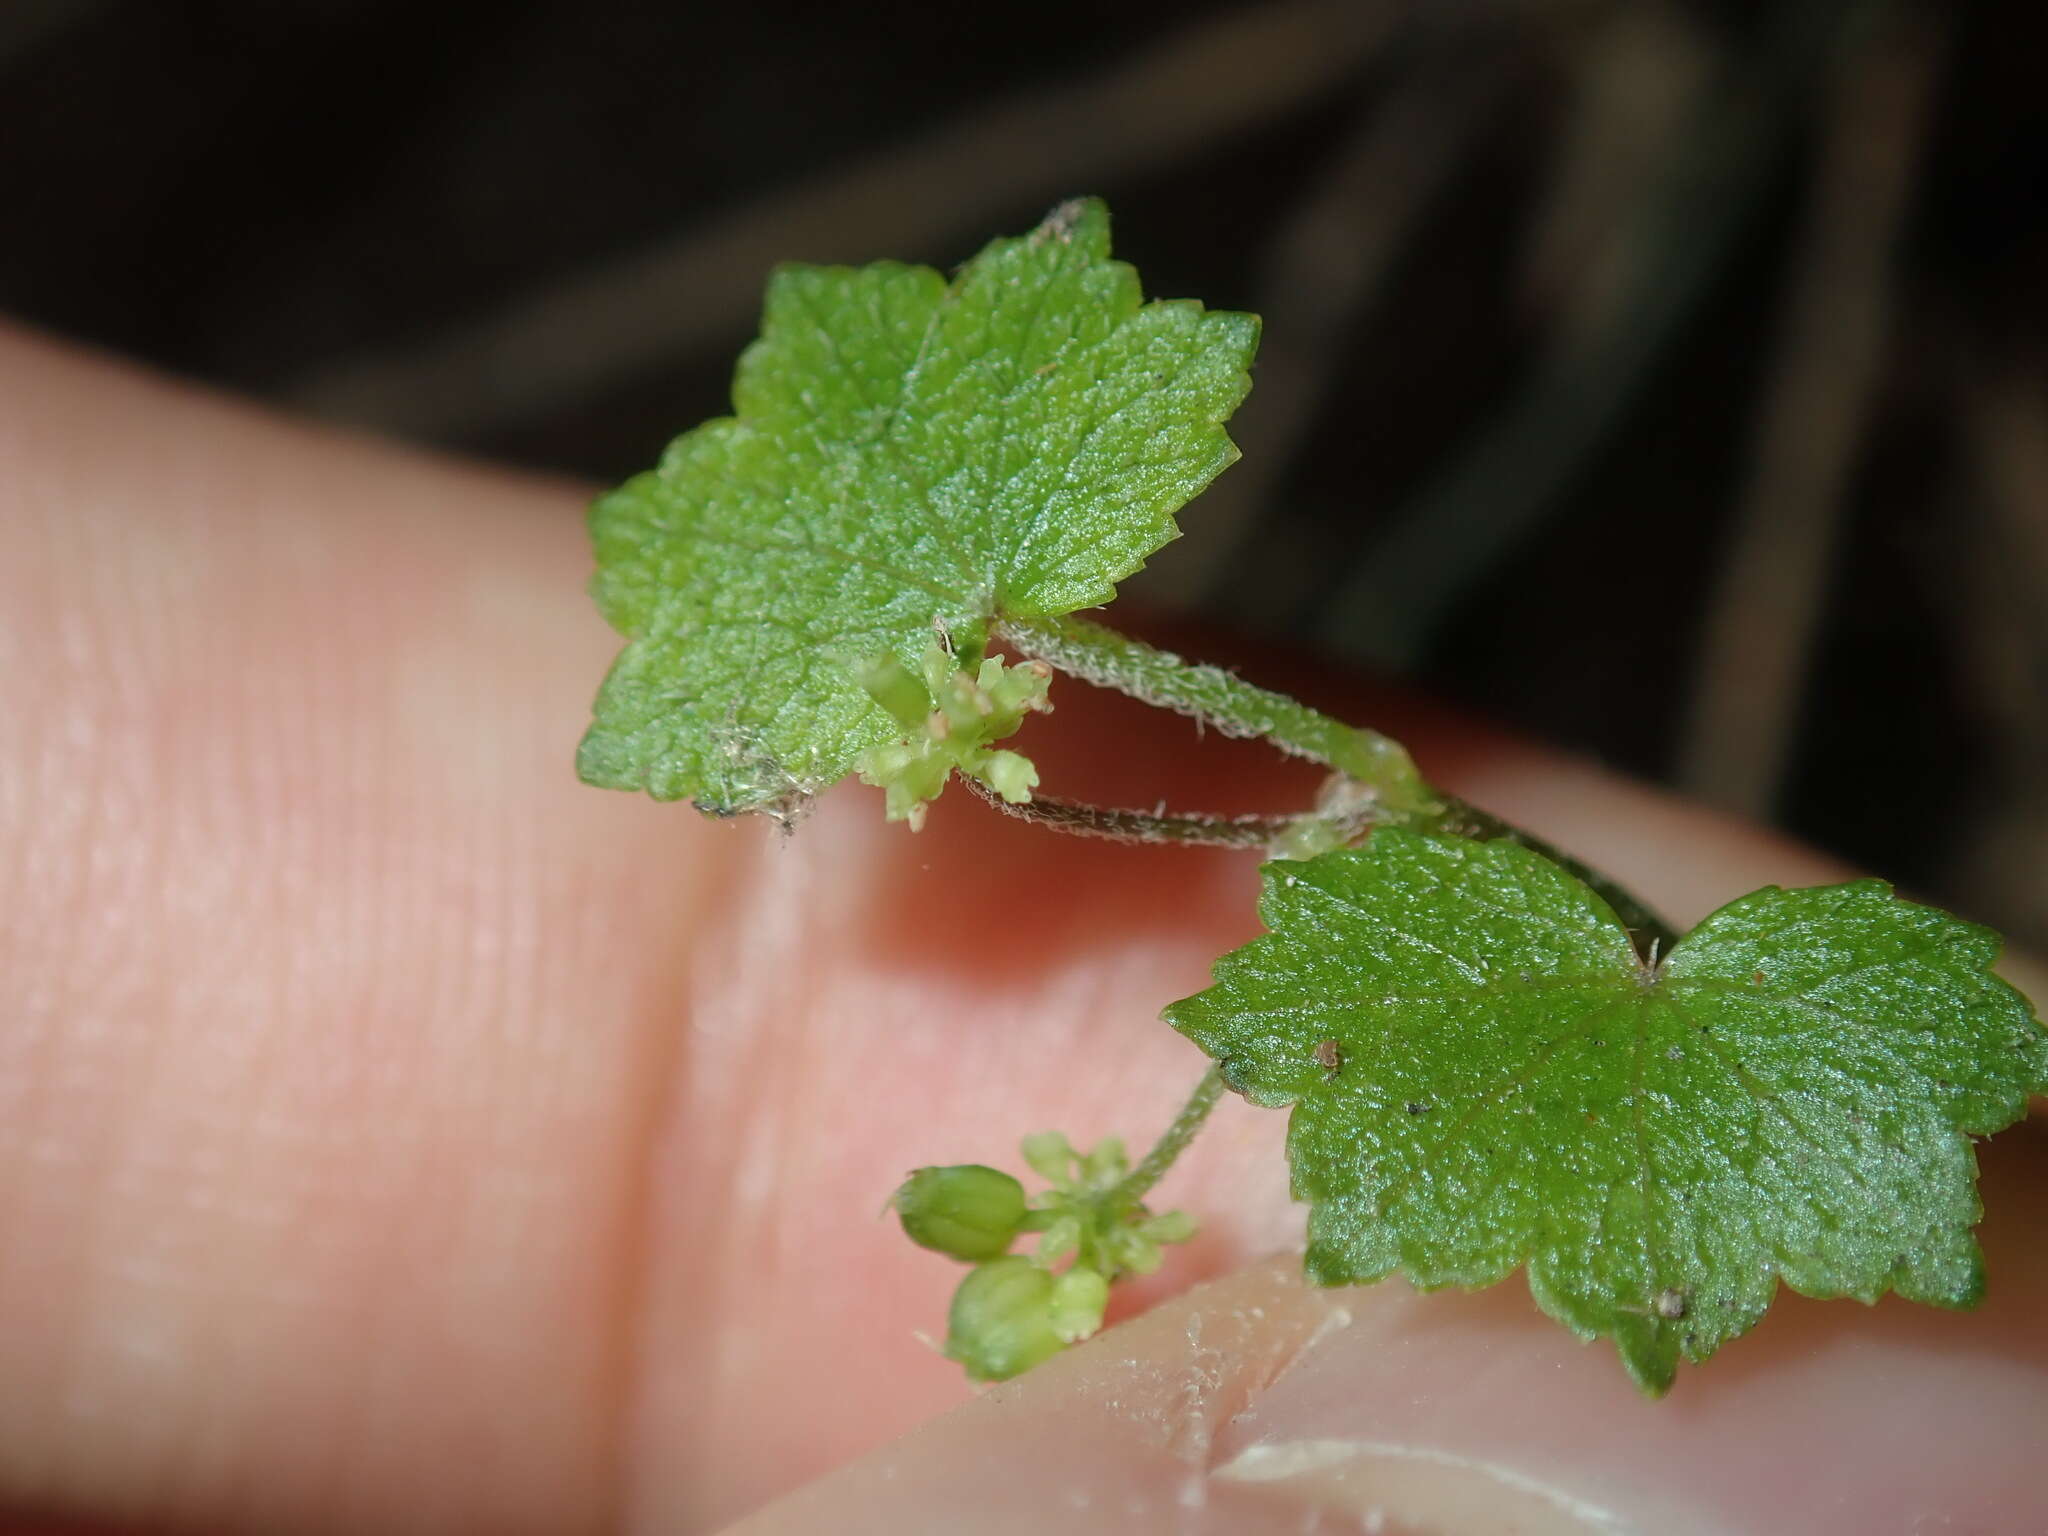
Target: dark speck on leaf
x=1414 y=1108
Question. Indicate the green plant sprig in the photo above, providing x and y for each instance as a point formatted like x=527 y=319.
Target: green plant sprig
x=1496 y=1058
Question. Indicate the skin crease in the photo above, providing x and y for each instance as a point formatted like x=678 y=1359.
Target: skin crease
x=396 y=1135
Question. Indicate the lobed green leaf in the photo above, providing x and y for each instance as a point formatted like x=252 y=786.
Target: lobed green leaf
x=906 y=452
x=1486 y=1077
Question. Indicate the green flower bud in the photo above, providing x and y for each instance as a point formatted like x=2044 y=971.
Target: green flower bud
x=1079 y=1298
x=1062 y=1235
x=1003 y=1319
x=1016 y=690
x=964 y=705
x=967 y=1211
x=1168 y=1227
x=1105 y=1162
x=1011 y=775
x=897 y=689
x=1051 y=1157
x=937 y=664
x=1306 y=836
x=1131 y=1250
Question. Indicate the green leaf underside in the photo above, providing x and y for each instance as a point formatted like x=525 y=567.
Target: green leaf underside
x=905 y=450
x=1790 y=1095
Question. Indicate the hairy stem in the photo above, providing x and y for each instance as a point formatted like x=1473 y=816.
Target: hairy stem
x=1222 y=701
x=1399 y=796
x=1123 y=825
x=1152 y=1167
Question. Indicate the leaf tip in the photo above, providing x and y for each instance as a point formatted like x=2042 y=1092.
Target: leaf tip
x=600 y=765
x=1323 y=1264
x=1653 y=1368
x=1080 y=221
x=1239 y=328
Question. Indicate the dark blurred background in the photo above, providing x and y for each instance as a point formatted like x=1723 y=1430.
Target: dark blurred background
x=1668 y=379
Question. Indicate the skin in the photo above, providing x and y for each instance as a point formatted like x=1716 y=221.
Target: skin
x=397 y=1136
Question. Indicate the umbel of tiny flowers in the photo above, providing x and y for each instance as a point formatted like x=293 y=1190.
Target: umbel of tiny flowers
x=1088 y=1211
x=950 y=719
x=1013 y=1310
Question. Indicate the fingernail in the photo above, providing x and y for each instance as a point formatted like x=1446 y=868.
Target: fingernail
x=1413 y=1415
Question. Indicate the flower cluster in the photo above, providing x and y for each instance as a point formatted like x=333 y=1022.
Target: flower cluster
x=950 y=718
x=1014 y=1310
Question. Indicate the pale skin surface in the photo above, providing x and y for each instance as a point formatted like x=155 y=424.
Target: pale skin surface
x=397 y=1136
